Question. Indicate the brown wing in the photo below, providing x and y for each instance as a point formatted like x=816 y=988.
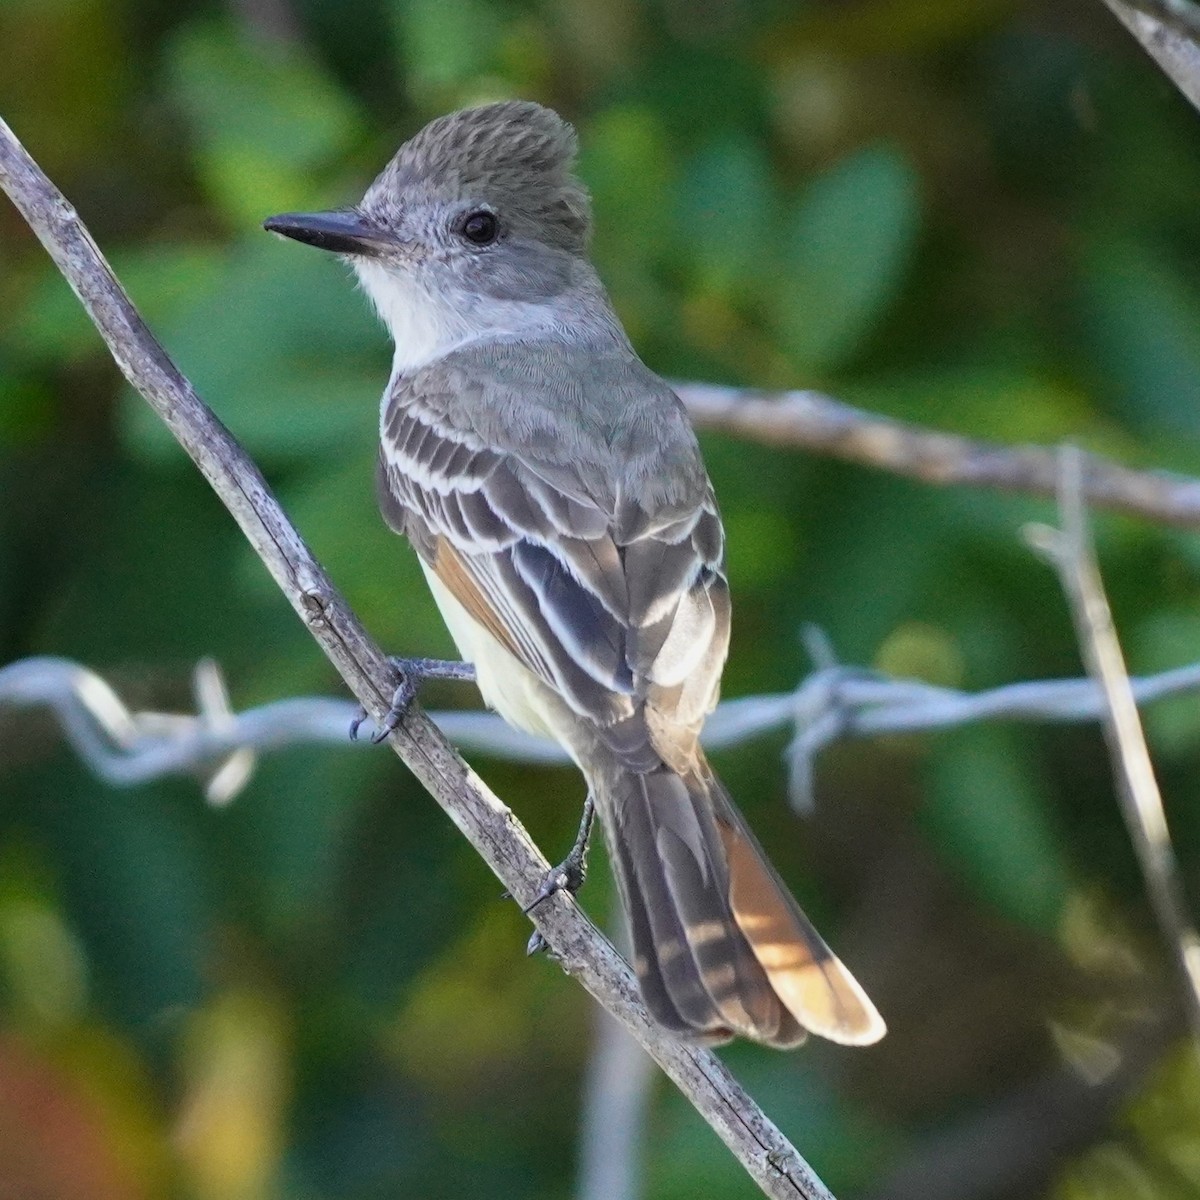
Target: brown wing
x=810 y=981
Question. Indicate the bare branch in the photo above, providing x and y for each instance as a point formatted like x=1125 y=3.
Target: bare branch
x=489 y=825
x=1071 y=553
x=1182 y=16
x=811 y=421
x=1169 y=31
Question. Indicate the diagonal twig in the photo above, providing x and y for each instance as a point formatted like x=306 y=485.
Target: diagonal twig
x=1169 y=31
x=491 y=827
x=1071 y=553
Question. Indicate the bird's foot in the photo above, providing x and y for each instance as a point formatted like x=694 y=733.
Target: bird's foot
x=567 y=877
x=413 y=672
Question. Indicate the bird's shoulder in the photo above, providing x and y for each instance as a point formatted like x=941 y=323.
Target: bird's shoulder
x=553 y=404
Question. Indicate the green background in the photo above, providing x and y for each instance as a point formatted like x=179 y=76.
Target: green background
x=978 y=216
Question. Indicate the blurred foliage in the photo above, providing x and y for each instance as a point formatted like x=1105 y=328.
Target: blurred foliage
x=981 y=216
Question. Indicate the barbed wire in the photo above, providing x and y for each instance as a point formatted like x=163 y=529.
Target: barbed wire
x=125 y=747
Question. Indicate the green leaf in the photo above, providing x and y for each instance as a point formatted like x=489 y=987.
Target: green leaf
x=1163 y=640
x=726 y=208
x=1154 y=1150
x=1142 y=328
x=266 y=120
x=986 y=810
x=627 y=162
x=447 y=44
x=26 y=409
x=1010 y=401
x=853 y=235
x=279 y=344
x=145 y=905
x=1166 y=1117
x=687 y=1161
x=160 y=279
x=141 y=586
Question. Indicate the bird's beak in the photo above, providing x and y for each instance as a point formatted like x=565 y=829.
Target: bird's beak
x=342 y=230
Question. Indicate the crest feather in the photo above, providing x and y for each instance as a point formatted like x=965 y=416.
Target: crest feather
x=515 y=156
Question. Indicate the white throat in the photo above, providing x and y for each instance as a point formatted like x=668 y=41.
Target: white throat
x=424 y=325
x=427 y=323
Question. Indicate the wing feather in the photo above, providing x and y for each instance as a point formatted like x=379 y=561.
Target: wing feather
x=614 y=597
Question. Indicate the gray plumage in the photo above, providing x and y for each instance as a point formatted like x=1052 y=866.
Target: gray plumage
x=568 y=485
x=515 y=155
x=555 y=493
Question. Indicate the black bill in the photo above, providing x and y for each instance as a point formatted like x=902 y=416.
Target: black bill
x=341 y=230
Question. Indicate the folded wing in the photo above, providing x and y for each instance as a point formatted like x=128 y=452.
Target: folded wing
x=623 y=612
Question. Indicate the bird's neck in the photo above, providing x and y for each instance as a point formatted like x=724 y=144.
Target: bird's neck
x=428 y=322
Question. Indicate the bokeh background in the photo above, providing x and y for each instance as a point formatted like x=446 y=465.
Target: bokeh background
x=980 y=216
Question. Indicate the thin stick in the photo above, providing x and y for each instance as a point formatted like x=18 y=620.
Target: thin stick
x=811 y=421
x=489 y=825
x=1072 y=554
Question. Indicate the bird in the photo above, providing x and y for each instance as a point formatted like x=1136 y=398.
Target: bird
x=554 y=492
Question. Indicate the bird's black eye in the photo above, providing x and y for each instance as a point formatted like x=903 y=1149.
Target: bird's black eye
x=480 y=228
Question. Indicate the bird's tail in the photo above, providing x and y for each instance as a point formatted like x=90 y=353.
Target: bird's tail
x=720 y=947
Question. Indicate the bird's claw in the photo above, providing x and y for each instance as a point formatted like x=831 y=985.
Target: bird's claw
x=412 y=671
x=567 y=877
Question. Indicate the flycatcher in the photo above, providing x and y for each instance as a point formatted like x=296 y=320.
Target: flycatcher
x=554 y=491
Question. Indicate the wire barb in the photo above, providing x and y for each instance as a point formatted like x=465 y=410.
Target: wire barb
x=126 y=748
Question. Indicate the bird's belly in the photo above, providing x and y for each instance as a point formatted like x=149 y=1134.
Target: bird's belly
x=506 y=685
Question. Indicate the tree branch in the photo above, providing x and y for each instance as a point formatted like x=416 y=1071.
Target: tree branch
x=1168 y=31
x=811 y=421
x=1070 y=552
x=489 y=825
